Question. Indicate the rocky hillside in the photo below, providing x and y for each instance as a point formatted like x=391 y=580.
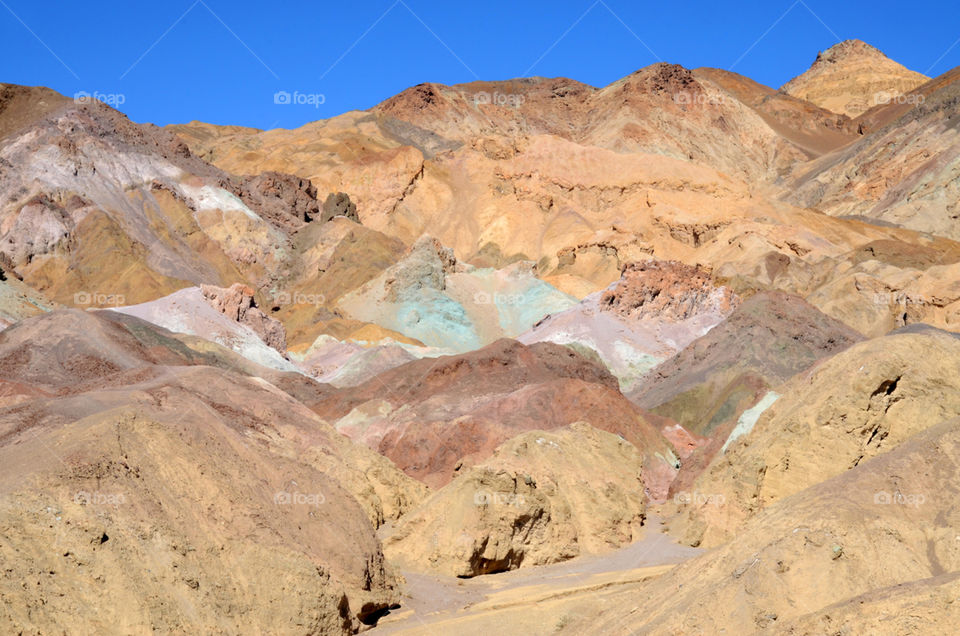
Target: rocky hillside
x=435 y=417
x=905 y=173
x=859 y=404
x=123 y=444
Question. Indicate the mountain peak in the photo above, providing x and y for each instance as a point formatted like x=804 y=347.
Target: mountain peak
x=851 y=77
x=850 y=49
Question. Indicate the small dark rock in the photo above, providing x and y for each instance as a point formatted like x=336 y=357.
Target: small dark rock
x=339 y=204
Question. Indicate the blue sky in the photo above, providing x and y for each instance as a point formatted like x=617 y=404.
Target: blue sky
x=223 y=62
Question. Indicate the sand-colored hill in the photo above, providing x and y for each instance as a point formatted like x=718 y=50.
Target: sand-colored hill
x=873 y=549
x=852 y=550
x=851 y=77
x=860 y=403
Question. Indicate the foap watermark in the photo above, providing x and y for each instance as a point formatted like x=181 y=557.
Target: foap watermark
x=111 y=99
x=485 y=298
x=698 y=97
x=487 y=498
x=898 y=298
x=512 y=100
x=296 y=98
x=97 y=498
x=98 y=299
x=298 y=298
x=884 y=498
x=283 y=498
x=887 y=97
x=699 y=499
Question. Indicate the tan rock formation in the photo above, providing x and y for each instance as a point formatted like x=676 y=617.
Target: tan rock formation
x=543 y=496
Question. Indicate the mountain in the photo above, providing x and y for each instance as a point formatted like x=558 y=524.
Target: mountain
x=678 y=354
x=904 y=172
x=811 y=128
x=22 y=105
x=654 y=310
x=870 y=550
x=851 y=77
x=764 y=342
x=101 y=206
x=718 y=385
x=583 y=181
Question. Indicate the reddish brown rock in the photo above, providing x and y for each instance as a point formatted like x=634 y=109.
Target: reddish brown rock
x=666 y=289
x=433 y=417
x=816 y=130
x=283 y=199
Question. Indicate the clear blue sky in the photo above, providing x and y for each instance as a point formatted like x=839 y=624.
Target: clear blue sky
x=222 y=61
